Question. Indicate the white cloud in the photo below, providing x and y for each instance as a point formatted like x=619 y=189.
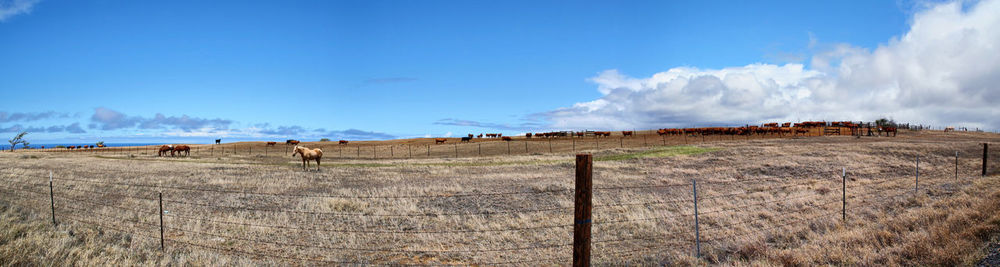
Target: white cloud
x=944 y=70
x=10 y=8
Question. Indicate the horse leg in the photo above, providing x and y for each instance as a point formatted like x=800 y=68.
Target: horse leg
x=317 y=164
x=303 y=163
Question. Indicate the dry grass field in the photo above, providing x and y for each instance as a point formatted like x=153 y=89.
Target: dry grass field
x=770 y=201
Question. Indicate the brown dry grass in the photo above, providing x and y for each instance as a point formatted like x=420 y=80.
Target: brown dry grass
x=763 y=202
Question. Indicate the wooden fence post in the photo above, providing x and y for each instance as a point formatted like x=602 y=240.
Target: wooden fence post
x=456 y=150
x=428 y=150
x=697 y=233
x=480 y=149
x=161 y=220
x=392 y=153
x=582 y=210
x=550 y=145
x=986 y=148
x=843 y=196
x=956 y=165
x=52 y=200
x=916 y=180
x=409 y=151
x=526 y=147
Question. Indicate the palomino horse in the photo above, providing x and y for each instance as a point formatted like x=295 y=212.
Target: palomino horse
x=307 y=155
x=181 y=148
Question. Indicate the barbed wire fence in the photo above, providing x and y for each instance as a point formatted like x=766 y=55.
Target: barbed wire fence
x=706 y=216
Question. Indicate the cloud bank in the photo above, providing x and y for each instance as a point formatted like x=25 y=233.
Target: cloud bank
x=107 y=119
x=10 y=8
x=945 y=70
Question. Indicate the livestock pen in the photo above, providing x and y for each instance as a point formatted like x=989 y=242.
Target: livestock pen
x=778 y=200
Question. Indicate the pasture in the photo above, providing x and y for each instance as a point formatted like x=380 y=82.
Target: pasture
x=762 y=200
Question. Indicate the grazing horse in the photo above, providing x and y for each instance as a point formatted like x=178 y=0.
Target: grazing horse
x=166 y=148
x=467 y=139
x=307 y=155
x=439 y=140
x=271 y=143
x=181 y=148
x=342 y=142
x=218 y=141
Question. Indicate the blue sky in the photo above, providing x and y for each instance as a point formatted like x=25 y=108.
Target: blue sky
x=196 y=70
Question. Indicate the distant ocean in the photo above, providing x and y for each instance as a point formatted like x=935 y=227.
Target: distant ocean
x=7 y=146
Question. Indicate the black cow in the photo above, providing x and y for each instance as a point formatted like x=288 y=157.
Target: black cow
x=218 y=141
x=467 y=139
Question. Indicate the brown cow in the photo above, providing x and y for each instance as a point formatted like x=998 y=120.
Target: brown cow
x=506 y=138
x=439 y=140
x=181 y=148
x=271 y=143
x=293 y=142
x=164 y=149
x=342 y=142
x=626 y=133
x=527 y=135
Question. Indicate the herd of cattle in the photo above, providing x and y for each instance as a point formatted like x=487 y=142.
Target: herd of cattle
x=787 y=128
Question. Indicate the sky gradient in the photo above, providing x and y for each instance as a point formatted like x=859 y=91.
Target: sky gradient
x=193 y=71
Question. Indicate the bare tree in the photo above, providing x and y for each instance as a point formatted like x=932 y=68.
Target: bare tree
x=19 y=139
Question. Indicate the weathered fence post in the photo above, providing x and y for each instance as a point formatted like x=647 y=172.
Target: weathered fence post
x=409 y=151
x=956 y=165
x=161 y=220
x=456 y=150
x=621 y=142
x=697 y=233
x=550 y=145
x=52 y=200
x=916 y=180
x=582 y=208
x=843 y=196
x=392 y=153
x=526 y=147
x=480 y=148
x=508 y=147
x=986 y=148
x=428 y=150
x=574 y=145
x=359 y=152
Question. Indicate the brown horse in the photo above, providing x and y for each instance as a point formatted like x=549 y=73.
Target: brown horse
x=181 y=148
x=307 y=155
x=164 y=149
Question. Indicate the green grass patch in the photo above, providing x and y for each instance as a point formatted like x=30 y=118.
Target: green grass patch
x=659 y=153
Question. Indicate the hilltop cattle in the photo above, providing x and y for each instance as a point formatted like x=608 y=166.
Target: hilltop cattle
x=626 y=133
x=439 y=140
x=291 y=142
x=466 y=139
x=600 y=134
x=307 y=155
x=271 y=143
x=506 y=138
x=218 y=141
x=342 y=142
